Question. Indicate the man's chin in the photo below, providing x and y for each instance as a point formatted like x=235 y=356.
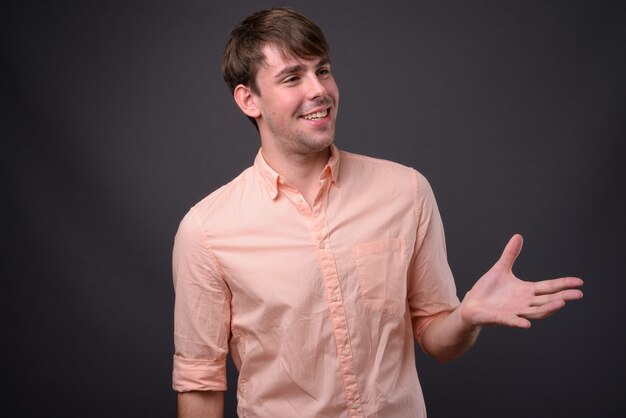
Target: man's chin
x=320 y=144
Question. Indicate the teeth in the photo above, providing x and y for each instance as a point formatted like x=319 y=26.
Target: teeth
x=316 y=115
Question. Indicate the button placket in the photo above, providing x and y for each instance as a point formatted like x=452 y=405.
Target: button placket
x=316 y=220
x=338 y=315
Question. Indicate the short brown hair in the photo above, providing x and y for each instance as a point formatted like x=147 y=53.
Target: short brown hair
x=290 y=31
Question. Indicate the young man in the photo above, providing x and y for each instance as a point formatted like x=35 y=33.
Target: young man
x=315 y=268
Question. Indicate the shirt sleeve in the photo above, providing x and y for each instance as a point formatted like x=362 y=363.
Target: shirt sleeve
x=201 y=311
x=431 y=288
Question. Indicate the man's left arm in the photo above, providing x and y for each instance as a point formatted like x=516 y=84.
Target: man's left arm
x=497 y=298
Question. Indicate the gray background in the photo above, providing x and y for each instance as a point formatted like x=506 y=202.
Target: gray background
x=115 y=121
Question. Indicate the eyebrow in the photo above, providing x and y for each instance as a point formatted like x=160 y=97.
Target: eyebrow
x=299 y=67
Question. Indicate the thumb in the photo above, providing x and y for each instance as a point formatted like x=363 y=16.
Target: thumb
x=510 y=253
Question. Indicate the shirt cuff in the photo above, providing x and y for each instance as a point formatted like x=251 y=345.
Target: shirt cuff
x=194 y=374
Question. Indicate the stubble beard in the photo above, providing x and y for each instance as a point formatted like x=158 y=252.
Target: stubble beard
x=298 y=142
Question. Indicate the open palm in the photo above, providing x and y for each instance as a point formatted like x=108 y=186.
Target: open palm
x=500 y=298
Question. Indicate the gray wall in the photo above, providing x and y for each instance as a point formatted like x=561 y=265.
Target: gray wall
x=115 y=121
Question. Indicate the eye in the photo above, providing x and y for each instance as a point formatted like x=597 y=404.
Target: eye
x=323 y=71
x=292 y=79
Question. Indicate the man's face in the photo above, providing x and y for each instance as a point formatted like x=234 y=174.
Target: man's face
x=297 y=103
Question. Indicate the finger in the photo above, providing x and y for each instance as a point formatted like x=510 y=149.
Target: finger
x=517 y=322
x=565 y=295
x=547 y=287
x=540 y=312
x=510 y=253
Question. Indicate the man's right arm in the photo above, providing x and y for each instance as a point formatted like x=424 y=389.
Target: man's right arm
x=201 y=323
x=201 y=404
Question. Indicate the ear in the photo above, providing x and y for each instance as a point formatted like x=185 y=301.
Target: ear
x=245 y=100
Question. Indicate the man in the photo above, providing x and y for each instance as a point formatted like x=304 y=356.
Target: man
x=317 y=269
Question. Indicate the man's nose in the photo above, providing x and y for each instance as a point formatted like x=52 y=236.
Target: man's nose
x=315 y=87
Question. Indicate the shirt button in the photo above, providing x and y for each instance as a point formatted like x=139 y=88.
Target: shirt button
x=281 y=180
x=355 y=405
x=322 y=245
x=345 y=352
x=334 y=298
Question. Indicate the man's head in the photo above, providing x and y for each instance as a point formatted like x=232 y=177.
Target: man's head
x=277 y=65
x=291 y=32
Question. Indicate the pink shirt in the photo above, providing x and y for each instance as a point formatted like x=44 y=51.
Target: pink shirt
x=318 y=306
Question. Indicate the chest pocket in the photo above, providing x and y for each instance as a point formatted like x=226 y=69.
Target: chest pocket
x=381 y=267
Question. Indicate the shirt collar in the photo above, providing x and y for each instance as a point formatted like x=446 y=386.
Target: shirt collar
x=271 y=179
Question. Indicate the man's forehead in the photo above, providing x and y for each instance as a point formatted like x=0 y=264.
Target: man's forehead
x=280 y=56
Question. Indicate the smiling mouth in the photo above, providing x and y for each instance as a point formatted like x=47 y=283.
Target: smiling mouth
x=316 y=115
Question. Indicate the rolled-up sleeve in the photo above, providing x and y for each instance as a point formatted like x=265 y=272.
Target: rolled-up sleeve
x=201 y=312
x=431 y=288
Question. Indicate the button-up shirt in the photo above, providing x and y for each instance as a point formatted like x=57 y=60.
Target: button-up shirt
x=319 y=304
